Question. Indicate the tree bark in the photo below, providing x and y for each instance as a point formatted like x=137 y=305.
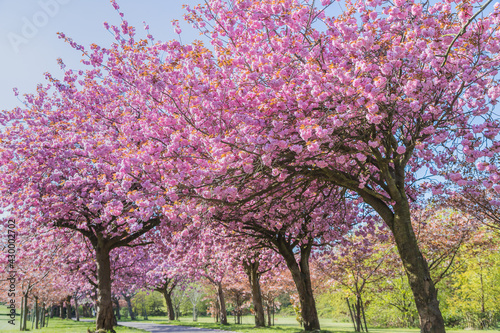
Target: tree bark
x=170 y=306
x=43 y=313
x=49 y=316
x=217 y=310
x=105 y=317
x=25 y=318
x=302 y=278
x=129 y=306
x=222 y=304
x=252 y=271
x=68 y=307
x=77 y=314
x=117 y=308
x=21 y=314
x=268 y=314
x=61 y=306
x=417 y=270
x=37 y=314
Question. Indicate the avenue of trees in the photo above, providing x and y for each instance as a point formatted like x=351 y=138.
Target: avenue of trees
x=295 y=152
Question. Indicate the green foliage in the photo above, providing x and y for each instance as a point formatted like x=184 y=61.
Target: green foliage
x=477 y=290
x=124 y=313
x=284 y=300
x=150 y=303
x=332 y=305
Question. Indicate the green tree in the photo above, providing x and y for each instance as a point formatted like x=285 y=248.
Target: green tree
x=477 y=288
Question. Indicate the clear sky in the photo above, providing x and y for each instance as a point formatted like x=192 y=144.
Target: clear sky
x=30 y=47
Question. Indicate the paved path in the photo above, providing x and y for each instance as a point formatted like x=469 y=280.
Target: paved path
x=160 y=328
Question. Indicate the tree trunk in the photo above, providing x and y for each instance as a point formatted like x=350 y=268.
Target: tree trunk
x=268 y=314
x=68 y=307
x=33 y=318
x=217 y=309
x=302 y=279
x=417 y=270
x=170 y=306
x=117 y=308
x=61 y=306
x=22 y=314
x=25 y=317
x=358 y=315
x=274 y=310
x=222 y=304
x=105 y=317
x=252 y=271
x=37 y=315
x=43 y=312
x=129 y=306
x=77 y=313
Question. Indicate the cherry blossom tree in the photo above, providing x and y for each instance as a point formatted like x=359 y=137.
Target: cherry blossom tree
x=294 y=226
x=288 y=94
x=63 y=159
x=361 y=100
x=257 y=262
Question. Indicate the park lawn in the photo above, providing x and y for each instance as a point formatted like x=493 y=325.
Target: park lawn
x=284 y=325
x=56 y=325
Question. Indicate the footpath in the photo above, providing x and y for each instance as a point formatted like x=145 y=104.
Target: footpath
x=160 y=328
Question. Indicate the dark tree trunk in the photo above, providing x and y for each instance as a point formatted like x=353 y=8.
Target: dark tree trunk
x=358 y=315
x=77 y=314
x=217 y=309
x=128 y=299
x=37 y=313
x=144 y=311
x=105 y=317
x=44 y=312
x=222 y=304
x=68 y=307
x=25 y=315
x=21 y=314
x=170 y=306
x=302 y=279
x=268 y=314
x=61 y=306
x=252 y=271
x=117 y=308
x=417 y=270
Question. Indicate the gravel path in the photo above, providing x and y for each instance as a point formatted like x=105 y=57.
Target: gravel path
x=159 y=328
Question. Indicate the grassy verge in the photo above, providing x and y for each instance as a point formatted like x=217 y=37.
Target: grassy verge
x=283 y=325
x=57 y=325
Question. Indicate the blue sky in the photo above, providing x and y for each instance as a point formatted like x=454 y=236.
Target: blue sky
x=30 y=47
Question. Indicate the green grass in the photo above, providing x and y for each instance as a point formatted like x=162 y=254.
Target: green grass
x=56 y=325
x=284 y=325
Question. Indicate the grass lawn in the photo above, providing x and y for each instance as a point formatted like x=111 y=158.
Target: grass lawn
x=283 y=325
x=56 y=325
